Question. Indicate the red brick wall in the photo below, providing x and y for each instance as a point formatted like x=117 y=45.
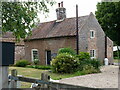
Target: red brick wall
x=48 y=44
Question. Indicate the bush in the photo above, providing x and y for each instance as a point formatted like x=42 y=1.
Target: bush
x=22 y=63
x=36 y=61
x=83 y=56
x=88 y=69
x=39 y=67
x=92 y=62
x=64 y=63
x=66 y=50
x=95 y=63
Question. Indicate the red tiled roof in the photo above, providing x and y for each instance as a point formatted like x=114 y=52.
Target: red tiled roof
x=67 y=27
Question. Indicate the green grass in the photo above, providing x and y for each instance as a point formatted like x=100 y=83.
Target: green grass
x=27 y=72
x=116 y=61
x=36 y=73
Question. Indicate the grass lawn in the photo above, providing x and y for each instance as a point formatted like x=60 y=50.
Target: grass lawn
x=36 y=73
x=116 y=61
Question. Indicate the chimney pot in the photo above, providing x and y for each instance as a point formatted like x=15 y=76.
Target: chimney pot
x=62 y=4
x=58 y=4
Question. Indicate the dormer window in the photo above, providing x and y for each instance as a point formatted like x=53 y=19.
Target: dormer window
x=92 y=33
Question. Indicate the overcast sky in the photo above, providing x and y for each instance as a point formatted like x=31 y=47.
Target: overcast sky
x=84 y=8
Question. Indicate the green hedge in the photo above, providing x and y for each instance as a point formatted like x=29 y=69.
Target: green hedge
x=22 y=63
x=39 y=67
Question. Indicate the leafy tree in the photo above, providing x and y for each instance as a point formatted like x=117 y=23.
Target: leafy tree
x=108 y=15
x=21 y=17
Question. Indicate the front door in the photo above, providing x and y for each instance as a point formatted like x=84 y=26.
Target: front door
x=48 y=57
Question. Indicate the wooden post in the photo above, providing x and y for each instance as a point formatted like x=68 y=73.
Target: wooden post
x=44 y=77
x=14 y=82
x=3 y=77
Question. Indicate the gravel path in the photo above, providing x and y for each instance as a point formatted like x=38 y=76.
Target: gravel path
x=107 y=79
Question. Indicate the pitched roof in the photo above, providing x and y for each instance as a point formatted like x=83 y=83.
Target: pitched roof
x=67 y=27
x=9 y=37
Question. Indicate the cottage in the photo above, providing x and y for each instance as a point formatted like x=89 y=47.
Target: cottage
x=48 y=37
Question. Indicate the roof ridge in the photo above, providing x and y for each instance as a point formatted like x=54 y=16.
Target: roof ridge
x=63 y=20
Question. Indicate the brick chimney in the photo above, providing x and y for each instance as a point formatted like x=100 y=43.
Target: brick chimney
x=61 y=12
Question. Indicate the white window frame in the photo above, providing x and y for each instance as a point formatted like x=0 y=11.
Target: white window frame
x=32 y=54
x=92 y=33
x=93 y=54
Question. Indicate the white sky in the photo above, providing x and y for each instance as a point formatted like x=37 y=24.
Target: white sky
x=84 y=8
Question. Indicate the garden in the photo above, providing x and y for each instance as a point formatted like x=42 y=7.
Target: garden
x=66 y=64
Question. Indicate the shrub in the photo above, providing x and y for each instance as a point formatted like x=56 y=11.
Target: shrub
x=22 y=63
x=39 y=67
x=64 y=63
x=66 y=50
x=83 y=56
x=36 y=61
x=95 y=63
x=88 y=69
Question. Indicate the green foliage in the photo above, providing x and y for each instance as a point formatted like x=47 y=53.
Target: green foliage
x=88 y=69
x=22 y=63
x=21 y=17
x=64 y=63
x=83 y=56
x=69 y=62
x=116 y=54
x=39 y=67
x=66 y=50
x=95 y=63
x=36 y=62
x=108 y=15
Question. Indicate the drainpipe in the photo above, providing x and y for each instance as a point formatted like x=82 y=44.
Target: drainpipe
x=77 y=36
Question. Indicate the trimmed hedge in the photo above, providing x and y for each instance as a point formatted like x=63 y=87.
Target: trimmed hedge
x=22 y=63
x=39 y=67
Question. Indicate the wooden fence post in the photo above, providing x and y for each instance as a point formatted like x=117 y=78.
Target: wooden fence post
x=14 y=82
x=45 y=78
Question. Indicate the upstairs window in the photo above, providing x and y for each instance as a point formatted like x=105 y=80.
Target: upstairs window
x=92 y=54
x=92 y=33
x=35 y=55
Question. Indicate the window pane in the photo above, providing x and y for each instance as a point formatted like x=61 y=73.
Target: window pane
x=92 y=34
x=35 y=55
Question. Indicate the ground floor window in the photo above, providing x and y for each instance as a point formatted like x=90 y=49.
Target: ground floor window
x=93 y=53
x=35 y=55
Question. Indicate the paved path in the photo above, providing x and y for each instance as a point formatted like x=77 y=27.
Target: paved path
x=107 y=79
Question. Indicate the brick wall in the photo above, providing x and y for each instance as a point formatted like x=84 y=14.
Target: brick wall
x=97 y=43
x=110 y=50
x=48 y=44
x=19 y=52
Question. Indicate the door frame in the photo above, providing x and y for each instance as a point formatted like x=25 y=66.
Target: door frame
x=46 y=56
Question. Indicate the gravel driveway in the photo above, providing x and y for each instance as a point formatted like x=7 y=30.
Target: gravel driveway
x=107 y=79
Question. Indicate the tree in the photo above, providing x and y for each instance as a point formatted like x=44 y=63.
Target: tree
x=108 y=15
x=21 y=17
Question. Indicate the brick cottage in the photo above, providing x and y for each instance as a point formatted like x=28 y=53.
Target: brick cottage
x=49 y=37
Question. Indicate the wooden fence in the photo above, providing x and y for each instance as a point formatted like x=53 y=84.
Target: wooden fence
x=44 y=82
